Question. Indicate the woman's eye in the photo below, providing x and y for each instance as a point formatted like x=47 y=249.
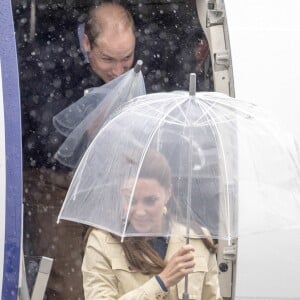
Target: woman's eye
x=150 y=200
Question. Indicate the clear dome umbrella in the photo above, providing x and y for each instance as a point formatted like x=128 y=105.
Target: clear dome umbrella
x=215 y=145
x=81 y=121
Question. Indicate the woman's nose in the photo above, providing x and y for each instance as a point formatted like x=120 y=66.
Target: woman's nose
x=139 y=210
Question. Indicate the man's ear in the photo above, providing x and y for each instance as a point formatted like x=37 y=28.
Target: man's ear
x=86 y=43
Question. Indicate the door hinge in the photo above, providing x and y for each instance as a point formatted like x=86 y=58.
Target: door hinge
x=229 y=253
x=222 y=59
x=215 y=13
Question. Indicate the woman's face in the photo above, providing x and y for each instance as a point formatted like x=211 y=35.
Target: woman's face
x=149 y=199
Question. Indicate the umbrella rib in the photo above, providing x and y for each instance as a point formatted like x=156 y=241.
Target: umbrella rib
x=146 y=104
x=271 y=129
x=168 y=121
x=225 y=168
x=184 y=115
x=204 y=115
x=226 y=103
x=78 y=171
x=171 y=119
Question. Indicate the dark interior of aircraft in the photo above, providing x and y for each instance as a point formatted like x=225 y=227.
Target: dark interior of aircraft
x=50 y=62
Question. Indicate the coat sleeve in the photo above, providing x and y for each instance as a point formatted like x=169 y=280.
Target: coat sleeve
x=100 y=282
x=211 y=288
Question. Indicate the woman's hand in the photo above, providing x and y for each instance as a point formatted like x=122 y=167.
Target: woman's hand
x=180 y=264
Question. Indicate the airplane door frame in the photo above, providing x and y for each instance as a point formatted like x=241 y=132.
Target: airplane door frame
x=12 y=199
x=212 y=17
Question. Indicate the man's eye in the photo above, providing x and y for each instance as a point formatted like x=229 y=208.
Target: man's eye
x=127 y=58
x=107 y=59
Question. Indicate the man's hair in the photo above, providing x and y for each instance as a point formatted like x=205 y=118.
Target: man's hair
x=94 y=25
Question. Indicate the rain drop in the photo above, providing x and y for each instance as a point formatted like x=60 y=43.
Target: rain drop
x=23 y=21
x=32 y=163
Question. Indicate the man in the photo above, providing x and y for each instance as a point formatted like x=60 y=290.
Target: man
x=49 y=83
x=109 y=40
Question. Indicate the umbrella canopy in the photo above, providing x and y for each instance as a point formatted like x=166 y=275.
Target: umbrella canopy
x=216 y=147
x=82 y=120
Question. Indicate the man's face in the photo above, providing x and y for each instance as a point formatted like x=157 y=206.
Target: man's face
x=112 y=54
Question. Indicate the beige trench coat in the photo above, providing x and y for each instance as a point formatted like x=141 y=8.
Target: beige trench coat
x=107 y=276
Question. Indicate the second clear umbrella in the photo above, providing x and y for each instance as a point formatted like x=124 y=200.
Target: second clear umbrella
x=81 y=121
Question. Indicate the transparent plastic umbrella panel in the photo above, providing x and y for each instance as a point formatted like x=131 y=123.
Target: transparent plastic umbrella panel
x=81 y=121
x=233 y=173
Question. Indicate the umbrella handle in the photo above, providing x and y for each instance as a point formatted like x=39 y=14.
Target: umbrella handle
x=185 y=295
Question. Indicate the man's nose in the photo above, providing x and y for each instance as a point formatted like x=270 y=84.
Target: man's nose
x=118 y=69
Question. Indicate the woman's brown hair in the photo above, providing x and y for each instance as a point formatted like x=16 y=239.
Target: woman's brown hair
x=138 y=251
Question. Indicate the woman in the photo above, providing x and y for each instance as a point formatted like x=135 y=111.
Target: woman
x=149 y=268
